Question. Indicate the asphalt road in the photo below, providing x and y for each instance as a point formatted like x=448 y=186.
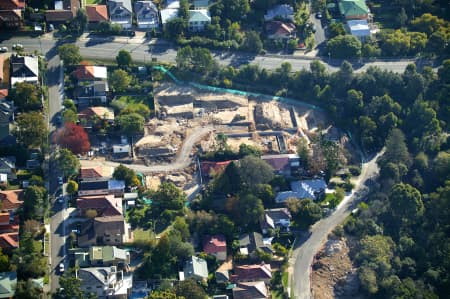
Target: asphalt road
x=304 y=252
x=55 y=78
x=101 y=48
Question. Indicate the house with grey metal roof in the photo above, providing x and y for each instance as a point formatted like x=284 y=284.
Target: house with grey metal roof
x=195 y=268
x=105 y=282
x=8 y=282
x=146 y=14
x=120 y=12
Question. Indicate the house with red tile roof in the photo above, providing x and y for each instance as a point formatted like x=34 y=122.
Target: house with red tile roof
x=11 y=13
x=9 y=241
x=65 y=11
x=97 y=13
x=246 y=273
x=284 y=164
x=99 y=112
x=216 y=245
x=90 y=73
x=96 y=173
x=3 y=93
x=4 y=218
x=11 y=200
x=279 y=30
x=104 y=205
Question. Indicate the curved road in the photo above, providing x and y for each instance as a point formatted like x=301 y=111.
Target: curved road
x=182 y=160
x=302 y=256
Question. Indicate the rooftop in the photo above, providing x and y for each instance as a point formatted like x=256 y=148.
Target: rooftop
x=97 y=13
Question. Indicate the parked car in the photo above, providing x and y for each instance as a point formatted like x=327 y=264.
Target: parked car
x=319 y=15
x=17 y=47
x=3 y=49
x=61 y=199
x=60 y=180
x=61 y=267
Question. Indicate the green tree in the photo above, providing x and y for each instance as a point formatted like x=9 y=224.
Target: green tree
x=344 y=46
x=31 y=129
x=79 y=23
x=254 y=171
x=26 y=96
x=184 y=58
x=368 y=279
x=167 y=197
x=428 y=23
x=5 y=265
x=69 y=115
x=396 y=43
x=396 y=149
x=70 y=54
x=306 y=212
x=124 y=59
x=202 y=61
x=126 y=174
x=27 y=290
x=190 y=289
x=70 y=288
x=182 y=227
x=72 y=187
x=131 y=124
x=252 y=42
x=406 y=202
x=67 y=162
x=336 y=29
x=119 y=80
x=35 y=202
x=235 y=10
x=175 y=28
x=250 y=209
x=249 y=150
x=303 y=152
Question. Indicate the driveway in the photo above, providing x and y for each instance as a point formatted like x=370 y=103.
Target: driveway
x=319 y=35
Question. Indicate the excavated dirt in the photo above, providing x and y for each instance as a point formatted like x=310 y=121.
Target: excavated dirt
x=334 y=275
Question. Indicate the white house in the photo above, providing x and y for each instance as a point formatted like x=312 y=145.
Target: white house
x=170 y=12
x=198 y=19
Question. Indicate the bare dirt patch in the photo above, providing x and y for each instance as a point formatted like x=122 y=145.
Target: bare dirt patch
x=333 y=274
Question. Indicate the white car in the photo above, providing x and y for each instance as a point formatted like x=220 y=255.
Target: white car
x=61 y=267
x=61 y=199
x=60 y=180
x=3 y=49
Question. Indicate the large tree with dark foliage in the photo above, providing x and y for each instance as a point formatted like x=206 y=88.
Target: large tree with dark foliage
x=73 y=137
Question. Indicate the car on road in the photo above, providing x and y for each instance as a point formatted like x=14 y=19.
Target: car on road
x=61 y=268
x=3 y=49
x=319 y=15
x=60 y=180
x=17 y=47
x=61 y=199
